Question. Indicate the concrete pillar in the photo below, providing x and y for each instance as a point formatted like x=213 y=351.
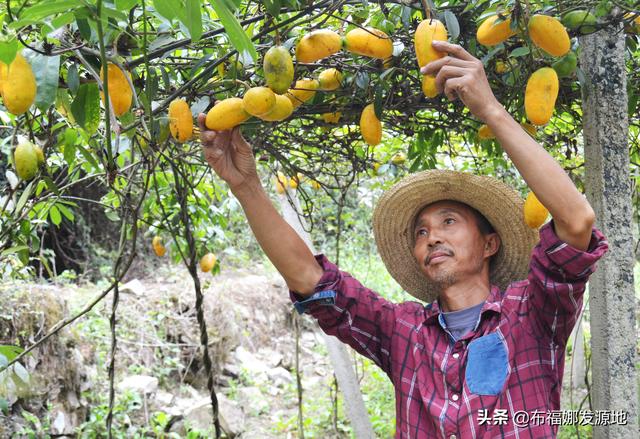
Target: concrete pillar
x=608 y=186
x=342 y=365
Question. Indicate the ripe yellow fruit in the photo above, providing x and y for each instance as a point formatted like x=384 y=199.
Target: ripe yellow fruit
x=485 y=133
x=25 y=159
x=491 y=33
x=282 y=182
x=3 y=75
x=428 y=31
x=535 y=214
x=278 y=69
x=369 y=42
x=332 y=117
x=39 y=154
x=502 y=67
x=158 y=246
x=399 y=158
x=258 y=101
x=317 y=45
x=302 y=91
x=549 y=34
x=180 y=120
x=226 y=114
x=315 y=185
x=19 y=86
x=280 y=111
x=293 y=182
x=207 y=262
x=530 y=129
x=429 y=86
x=120 y=93
x=540 y=95
x=370 y=126
x=330 y=79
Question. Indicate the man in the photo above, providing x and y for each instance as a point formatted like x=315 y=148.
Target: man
x=485 y=356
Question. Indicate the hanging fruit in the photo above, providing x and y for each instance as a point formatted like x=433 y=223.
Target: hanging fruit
x=120 y=93
x=540 y=95
x=492 y=32
x=549 y=34
x=370 y=126
x=317 y=45
x=226 y=114
x=302 y=91
x=180 y=120
x=18 y=85
x=369 y=42
x=330 y=79
x=535 y=214
x=278 y=69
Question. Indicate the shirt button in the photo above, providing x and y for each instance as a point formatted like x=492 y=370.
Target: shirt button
x=454 y=397
x=453 y=436
x=456 y=355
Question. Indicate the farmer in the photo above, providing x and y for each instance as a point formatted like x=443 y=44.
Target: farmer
x=485 y=356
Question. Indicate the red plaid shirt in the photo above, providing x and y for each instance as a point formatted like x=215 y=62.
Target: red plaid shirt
x=502 y=379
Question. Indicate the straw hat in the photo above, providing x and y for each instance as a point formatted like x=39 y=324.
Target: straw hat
x=501 y=205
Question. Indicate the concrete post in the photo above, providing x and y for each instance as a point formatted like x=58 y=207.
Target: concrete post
x=608 y=186
x=342 y=365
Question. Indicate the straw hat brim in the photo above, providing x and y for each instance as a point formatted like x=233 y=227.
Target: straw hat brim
x=501 y=205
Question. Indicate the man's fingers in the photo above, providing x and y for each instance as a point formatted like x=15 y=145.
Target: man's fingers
x=447 y=73
x=434 y=66
x=201 y=122
x=208 y=137
x=453 y=88
x=454 y=49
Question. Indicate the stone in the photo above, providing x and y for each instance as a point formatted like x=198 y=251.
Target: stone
x=279 y=376
x=139 y=383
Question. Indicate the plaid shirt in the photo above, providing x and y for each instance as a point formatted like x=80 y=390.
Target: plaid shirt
x=502 y=379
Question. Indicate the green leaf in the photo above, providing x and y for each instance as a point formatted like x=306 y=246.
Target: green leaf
x=193 y=19
x=88 y=156
x=54 y=214
x=9 y=351
x=46 y=70
x=520 y=51
x=8 y=50
x=452 y=24
x=64 y=210
x=169 y=9
x=232 y=27
x=272 y=6
x=84 y=28
x=51 y=185
x=24 y=197
x=10 y=251
x=125 y=5
x=73 y=79
x=86 y=107
x=42 y=10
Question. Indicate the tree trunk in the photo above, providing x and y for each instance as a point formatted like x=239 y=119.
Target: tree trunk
x=608 y=187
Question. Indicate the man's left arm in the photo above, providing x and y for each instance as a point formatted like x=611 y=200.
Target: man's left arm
x=460 y=75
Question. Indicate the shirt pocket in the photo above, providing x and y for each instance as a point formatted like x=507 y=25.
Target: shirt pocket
x=487 y=362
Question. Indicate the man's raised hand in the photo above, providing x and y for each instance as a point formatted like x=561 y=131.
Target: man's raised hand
x=229 y=154
x=461 y=75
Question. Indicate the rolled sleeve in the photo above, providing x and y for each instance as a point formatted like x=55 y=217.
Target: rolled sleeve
x=351 y=312
x=558 y=275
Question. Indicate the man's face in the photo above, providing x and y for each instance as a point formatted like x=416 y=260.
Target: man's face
x=449 y=246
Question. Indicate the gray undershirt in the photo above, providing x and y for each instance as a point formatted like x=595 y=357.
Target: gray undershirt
x=462 y=321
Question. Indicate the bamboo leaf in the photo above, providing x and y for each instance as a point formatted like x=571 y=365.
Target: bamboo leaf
x=232 y=27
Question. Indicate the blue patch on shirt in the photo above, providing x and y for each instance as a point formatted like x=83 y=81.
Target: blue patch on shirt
x=486 y=369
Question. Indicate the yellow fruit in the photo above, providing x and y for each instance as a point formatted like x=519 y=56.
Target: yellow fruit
x=300 y=177
x=317 y=45
x=302 y=91
x=427 y=32
x=485 y=133
x=158 y=246
x=280 y=111
x=226 y=114
x=3 y=75
x=293 y=183
x=370 y=126
x=19 y=86
x=207 y=262
x=120 y=93
x=369 y=42
x=535 y=214
x=330 y=79
x=281 y=183
x=530 y=129
x=315 y=185
x=399 y=158
x=25 y=159
x=180 y=120
x=376 y=166
x=278 y=69
x=39 y=154
x=429 y=86
x=491 y=33
x=332 y=117
x=549 y=34
x=258 y=101
x=540 y=95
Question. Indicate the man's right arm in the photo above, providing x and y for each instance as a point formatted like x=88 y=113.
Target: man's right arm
x=280 y=242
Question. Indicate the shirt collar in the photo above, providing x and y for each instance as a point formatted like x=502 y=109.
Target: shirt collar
x=492 y=303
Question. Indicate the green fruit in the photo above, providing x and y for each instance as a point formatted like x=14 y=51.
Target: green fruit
x=278 y=69
x=39 y=154
x=583 y=21
x=566 y=65
x=26 y=160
